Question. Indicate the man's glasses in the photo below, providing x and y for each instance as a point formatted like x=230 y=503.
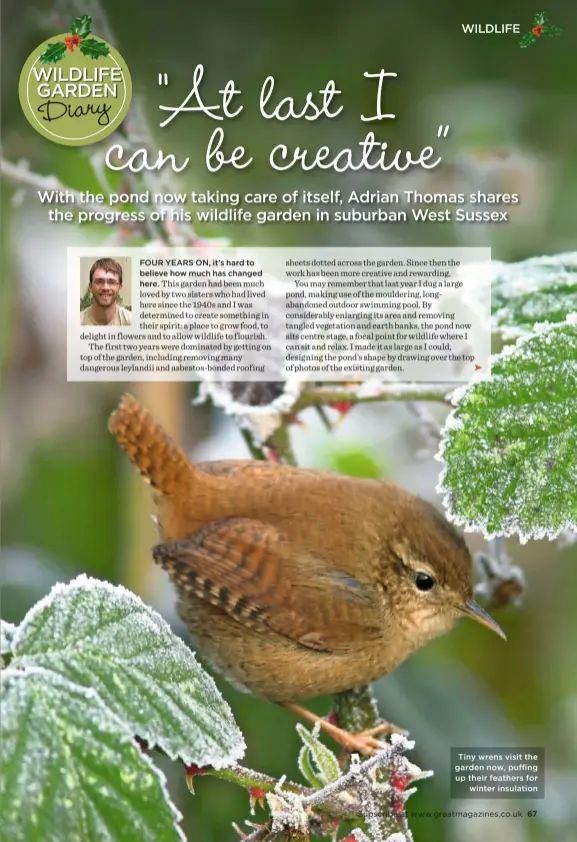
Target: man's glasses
x=101 y=282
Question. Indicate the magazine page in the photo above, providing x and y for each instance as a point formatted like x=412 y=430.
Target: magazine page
x=289 y=371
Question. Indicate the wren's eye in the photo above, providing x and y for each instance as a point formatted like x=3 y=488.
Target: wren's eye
x=424 y=582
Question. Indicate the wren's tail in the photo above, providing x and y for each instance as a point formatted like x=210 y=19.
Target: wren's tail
x=158 y=458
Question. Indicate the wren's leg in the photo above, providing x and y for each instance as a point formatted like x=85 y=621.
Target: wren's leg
x=364 y=743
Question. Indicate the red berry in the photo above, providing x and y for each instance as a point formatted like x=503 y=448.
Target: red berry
x=72 y=41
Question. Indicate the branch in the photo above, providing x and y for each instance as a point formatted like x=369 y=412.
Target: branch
x=372 y=392
x=502 y=583
x=21 y=176
x=293 y=813
x=249 y=779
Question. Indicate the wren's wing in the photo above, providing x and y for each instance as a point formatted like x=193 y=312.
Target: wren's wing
x=245 y=568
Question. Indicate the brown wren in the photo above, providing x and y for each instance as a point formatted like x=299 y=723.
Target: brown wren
x=295 y=582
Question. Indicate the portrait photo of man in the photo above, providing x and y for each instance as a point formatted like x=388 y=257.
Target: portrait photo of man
x=104 y=295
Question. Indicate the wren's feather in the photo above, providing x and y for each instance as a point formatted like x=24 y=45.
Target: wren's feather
x=245 y=568
x=297 y=582
x=156 y=456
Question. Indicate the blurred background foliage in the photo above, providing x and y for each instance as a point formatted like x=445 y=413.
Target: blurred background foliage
x=70 y=503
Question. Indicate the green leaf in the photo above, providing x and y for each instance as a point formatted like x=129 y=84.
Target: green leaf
x=509 y=447
x=53 y=53
x=71 y=771
x=539 y=19
x=527 y=40
x=6 y=634
x=106 y=638
x=327 y=766
x=81 y=25
x=93 y=48
x=542 y=289
x=552 y=30
x=306 y=768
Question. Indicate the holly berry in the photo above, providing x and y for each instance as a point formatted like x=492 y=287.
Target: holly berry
x=72 y=41
x=537 y=31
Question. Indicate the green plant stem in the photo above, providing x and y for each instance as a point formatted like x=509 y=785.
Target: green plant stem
x=256 y=450
x=249 y=779
x=280 y=441
x=356 y=709
x=338 y=393
x=252 y=780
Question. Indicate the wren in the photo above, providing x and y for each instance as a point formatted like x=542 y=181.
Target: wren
x=295 y=582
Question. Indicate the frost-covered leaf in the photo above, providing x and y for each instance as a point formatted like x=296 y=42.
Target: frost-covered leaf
x=71 y=771
x=305 y=765
x=105 y=637
x=542 y=289
x=509 y=447
x=321 y=767
x=6 y=634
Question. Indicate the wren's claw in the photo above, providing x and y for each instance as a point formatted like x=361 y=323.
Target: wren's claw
x=385 y=728
x=365 y=742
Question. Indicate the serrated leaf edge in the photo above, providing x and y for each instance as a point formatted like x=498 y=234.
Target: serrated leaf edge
x=7 y=632
x=454 y=423
x=92 y=694
x=82 y=582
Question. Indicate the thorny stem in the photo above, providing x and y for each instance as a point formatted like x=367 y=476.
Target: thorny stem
x=358 y=779
x=324 y=800
x=356 y=710
x=249 y=779
x=338 y=393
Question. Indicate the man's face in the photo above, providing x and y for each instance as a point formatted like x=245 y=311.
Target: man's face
x=105 y=286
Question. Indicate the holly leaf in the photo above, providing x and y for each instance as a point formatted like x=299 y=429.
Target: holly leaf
x=54 y=52
x=81 y=25
x=539 y=19
x=93 y=48
x=317 y=762
x=527 y=39
x=552 y=30
x=509 y=448
x=542 y=289
x=106 y=638
x=71 y=770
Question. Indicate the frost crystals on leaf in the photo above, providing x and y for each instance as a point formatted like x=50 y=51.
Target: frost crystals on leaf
x=71 y=770
x=509 y=447
x=106 y=638
x=6 y=634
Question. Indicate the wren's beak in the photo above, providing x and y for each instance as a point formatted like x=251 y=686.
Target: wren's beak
x=471 y=609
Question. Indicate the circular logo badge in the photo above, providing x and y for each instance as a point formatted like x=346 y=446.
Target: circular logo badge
x=75 y=89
